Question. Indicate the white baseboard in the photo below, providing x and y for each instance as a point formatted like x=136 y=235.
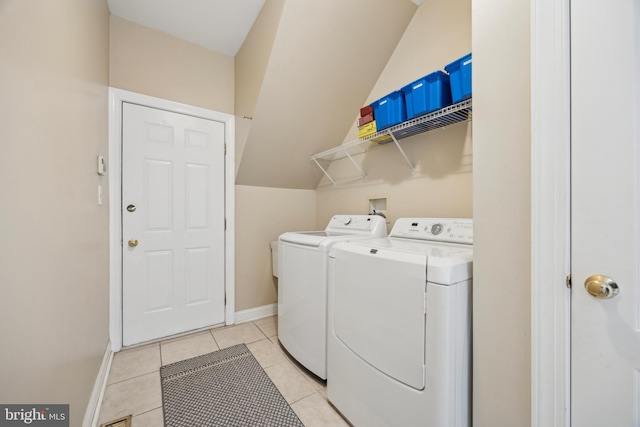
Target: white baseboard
x=95 y=401
x=256 y=313
x=93 y=407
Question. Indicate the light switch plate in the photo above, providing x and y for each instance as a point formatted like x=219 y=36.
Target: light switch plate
x=102 y=168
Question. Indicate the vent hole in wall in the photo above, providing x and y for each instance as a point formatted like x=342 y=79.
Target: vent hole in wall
x=378 y=206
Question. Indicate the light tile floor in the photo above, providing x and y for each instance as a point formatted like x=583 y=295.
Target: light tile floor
x=133 y=386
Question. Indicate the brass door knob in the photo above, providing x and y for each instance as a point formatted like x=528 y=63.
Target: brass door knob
x=133 y=243
x=601 y=287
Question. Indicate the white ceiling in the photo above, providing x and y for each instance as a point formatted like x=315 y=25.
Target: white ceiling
x=219 y=25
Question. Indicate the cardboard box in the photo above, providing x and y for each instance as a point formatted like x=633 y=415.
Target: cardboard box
x=365 y=119
x=366 y=130
x=366 y=110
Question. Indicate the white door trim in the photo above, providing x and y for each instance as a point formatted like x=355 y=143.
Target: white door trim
x=116 y=98
x=550 y=213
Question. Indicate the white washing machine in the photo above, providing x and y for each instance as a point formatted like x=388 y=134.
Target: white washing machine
x=399 y=342
x=302 y=285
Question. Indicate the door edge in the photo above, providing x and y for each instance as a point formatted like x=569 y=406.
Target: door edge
x=550 y=213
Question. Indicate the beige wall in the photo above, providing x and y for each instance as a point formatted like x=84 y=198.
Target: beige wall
x=253 y=57
x=54 y=73
x=262 y=214
x=484 y=175
x=139 y=56
x=54 y=274
x=501 y=139
x=439 y=33
x=326 y=57
x=250 y=66
x=154 y=63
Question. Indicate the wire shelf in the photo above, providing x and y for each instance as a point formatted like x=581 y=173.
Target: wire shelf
x=456 y=113
x=452 y=114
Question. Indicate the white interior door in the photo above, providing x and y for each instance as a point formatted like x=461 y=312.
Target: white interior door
x=173 y=229
x=605 y=76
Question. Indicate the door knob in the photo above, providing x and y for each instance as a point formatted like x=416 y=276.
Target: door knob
x=133 y=243
x=131 y=208
x=601 y=287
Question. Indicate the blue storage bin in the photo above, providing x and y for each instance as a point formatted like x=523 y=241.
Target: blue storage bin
x=427 y=94
x=460 y=78
x=389 y=110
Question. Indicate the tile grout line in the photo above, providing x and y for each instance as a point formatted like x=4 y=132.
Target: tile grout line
x=214 y=339
x=304 y=397
x=134 y=377
x=146 y=412
x=286 y=361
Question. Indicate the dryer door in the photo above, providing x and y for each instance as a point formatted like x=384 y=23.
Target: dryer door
x=379 y=309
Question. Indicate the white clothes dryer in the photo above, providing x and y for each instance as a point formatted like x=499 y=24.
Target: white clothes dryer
x=399 y=339
x=302 y=285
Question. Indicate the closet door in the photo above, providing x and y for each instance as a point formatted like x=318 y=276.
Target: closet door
x=605 y=218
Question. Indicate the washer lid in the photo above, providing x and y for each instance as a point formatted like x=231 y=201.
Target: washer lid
x=312 y=238
x=340 y=227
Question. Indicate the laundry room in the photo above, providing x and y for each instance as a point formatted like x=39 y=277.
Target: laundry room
x=441 y=161
x=478 y=168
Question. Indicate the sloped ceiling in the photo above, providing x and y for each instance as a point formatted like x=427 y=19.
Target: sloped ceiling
x=325 y=59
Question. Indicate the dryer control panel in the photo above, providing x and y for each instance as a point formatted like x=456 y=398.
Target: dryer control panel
x=452 y=230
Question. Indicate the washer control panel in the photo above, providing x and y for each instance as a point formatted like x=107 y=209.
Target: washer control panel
x=353 y=224
x=452 y=230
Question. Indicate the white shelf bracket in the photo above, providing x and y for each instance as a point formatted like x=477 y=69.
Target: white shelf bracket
x=406 y=159
x=364 y=175
x=456 y=113
x=324 y=170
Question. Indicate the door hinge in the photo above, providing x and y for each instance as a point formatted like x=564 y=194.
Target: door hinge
x=568 y=281
x=225 y=223
x=225 y=149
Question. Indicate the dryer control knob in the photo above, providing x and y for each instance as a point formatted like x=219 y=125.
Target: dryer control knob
x=347 y=221
x=436 y=229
